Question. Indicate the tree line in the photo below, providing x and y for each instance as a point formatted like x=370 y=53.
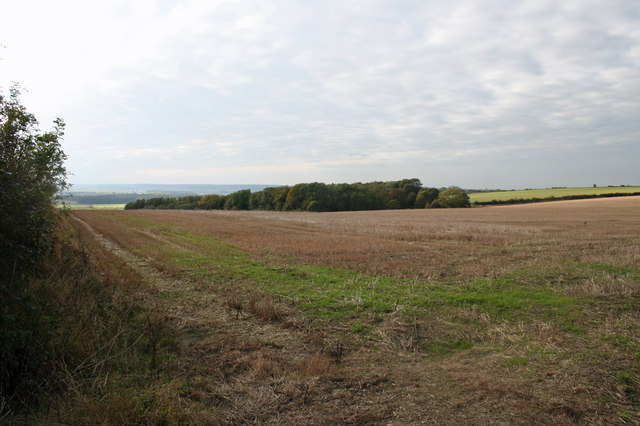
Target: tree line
x=319 y=197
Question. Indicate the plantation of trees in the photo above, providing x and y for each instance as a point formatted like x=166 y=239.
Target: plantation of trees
x=320 y=197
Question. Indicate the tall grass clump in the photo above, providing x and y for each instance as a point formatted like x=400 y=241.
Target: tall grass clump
x=75 y=323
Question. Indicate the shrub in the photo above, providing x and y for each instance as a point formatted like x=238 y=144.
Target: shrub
x=31 y=177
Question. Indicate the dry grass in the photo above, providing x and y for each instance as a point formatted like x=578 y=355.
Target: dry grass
x=265 y=309
x=423 y=243
x=572 y=362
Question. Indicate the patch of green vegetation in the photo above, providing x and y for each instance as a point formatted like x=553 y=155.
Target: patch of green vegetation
x=193 y=263
x=449 y=345
x=629 y=382
x=501 y=298
x=480 y=197
x=173 y=294
x=620 y=270
x=76 y=206
x=337 y=294
x=515 y=361
x=358 y=327
x=569 y=325
x=541 y=352
x=630 y=416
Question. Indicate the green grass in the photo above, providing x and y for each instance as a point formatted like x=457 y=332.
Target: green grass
x=75 y=206
x=340 y=294
x=480 y=197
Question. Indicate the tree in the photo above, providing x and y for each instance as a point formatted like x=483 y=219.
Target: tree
x=397 y=199
x=212 y=202
x=452 y=197
x=32 y=175
x=309 y=197
x=238 y=200
x=425 y=197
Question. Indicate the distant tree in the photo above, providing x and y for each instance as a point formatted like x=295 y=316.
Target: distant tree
x=309 y=197
x=452 y=197
x=393 y=205
x=190 y=202
x=268 y=198
x=212 y=202
x=411 y=187
x=280 y=197
x=397 y=199
x=257 y=200
x=411 y=199
x=425 y=197
x=238 y=200
x=134 y=205
x=295 y=197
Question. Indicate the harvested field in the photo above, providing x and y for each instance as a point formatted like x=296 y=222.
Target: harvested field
x=511 y=314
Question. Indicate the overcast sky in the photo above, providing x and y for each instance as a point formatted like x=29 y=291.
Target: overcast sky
x=497 y=94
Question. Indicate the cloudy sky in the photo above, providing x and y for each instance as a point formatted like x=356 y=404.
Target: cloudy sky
x=496 y=94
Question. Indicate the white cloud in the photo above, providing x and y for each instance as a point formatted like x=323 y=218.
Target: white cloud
x=351 y=90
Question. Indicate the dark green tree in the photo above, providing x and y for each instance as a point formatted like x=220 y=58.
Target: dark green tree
x=238 y=200
x=32 y=174
x=280 y=197
x=212 y=202
x=425 y=197
x=452 y=197
x=134 y=205
x=309 y=197
x=397 y=199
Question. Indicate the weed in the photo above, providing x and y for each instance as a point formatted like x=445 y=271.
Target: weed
x=265 y=309
x=235 y=301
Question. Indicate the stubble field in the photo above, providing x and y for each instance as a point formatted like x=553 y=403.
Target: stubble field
x=512 y=314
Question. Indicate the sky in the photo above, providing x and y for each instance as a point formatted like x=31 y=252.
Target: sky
x=480 y=94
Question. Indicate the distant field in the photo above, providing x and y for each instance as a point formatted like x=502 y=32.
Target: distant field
x=546 y=193
x=75 y=206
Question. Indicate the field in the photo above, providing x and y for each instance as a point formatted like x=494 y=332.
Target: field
x=76 y=206
x=553 y=192
x=512 y=314
x=545 y=193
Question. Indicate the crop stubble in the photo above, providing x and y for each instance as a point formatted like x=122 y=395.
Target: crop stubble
x=466 y=361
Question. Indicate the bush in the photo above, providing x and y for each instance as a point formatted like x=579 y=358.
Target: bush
x=31 y=177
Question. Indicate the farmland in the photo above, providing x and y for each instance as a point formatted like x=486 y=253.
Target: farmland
x=526 y=194
x=510 y=314
x=78 y=206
